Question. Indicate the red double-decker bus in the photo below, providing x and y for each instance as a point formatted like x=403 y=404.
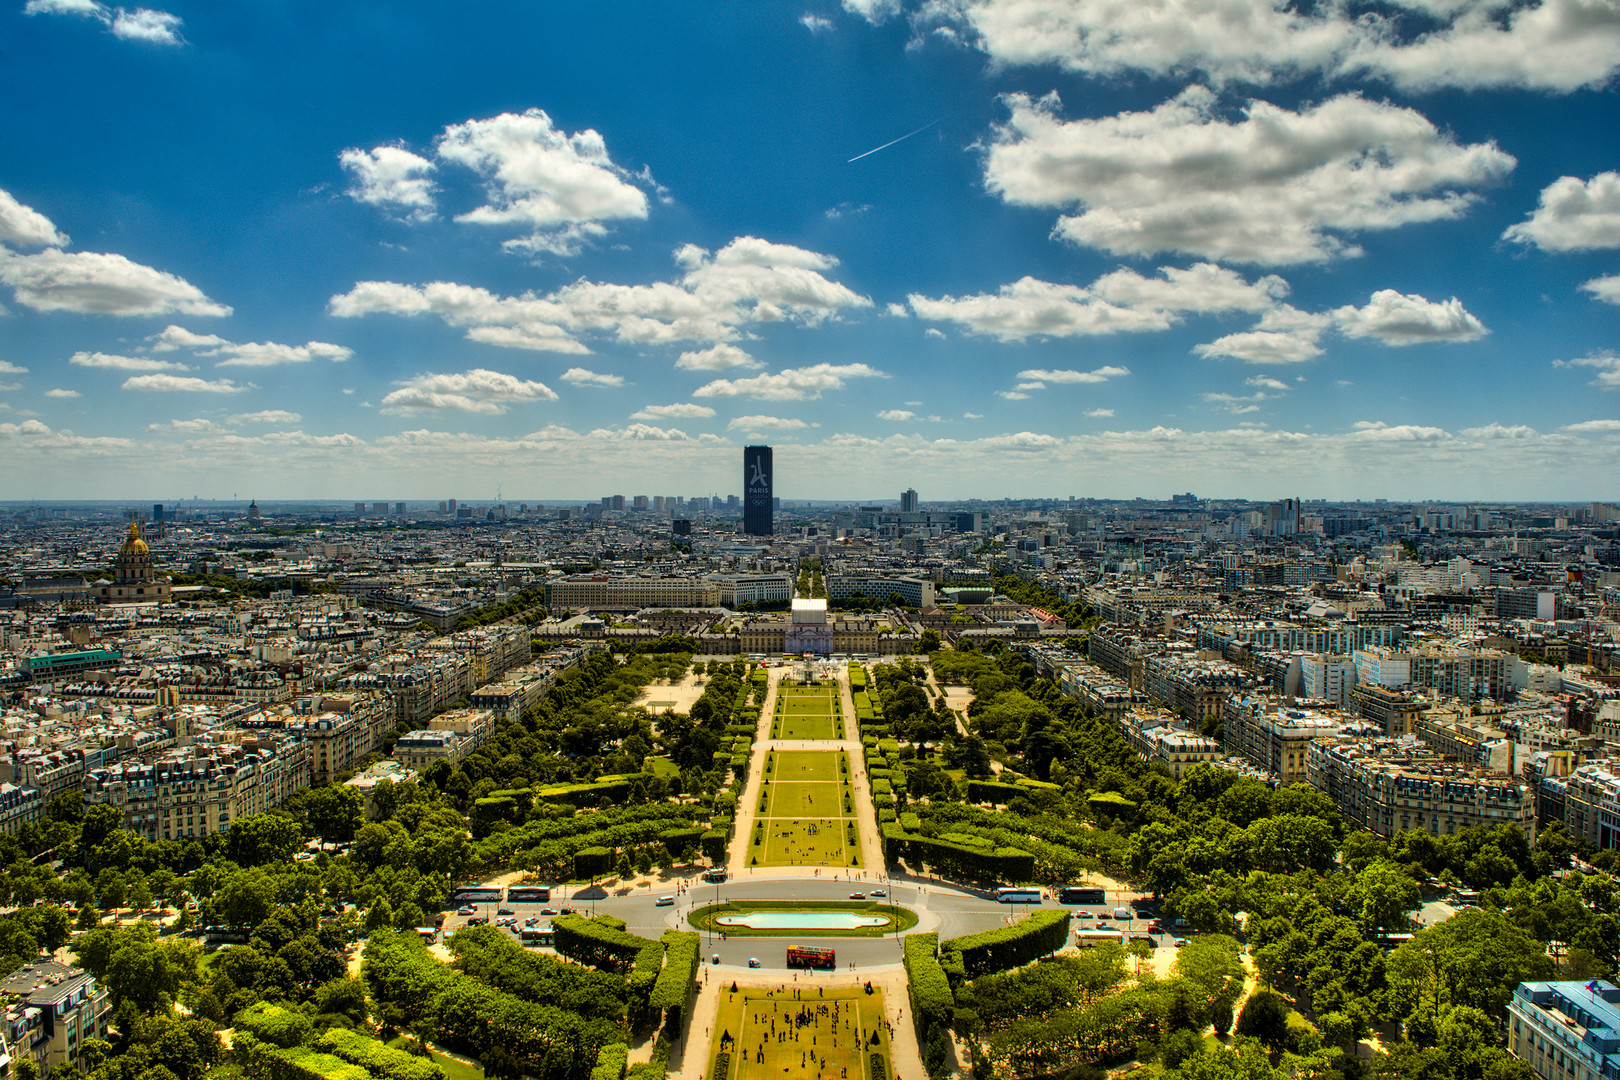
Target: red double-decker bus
x=809 y=956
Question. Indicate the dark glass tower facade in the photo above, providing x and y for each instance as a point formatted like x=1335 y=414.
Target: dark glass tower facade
x=758 y=478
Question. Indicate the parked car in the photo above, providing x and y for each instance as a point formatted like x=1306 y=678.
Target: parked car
x=548 y=911
x=1082 y=914
x=1155 y=928
x=1104 y=925
x=505 y=911
x=565 y=911
x=478 y=920
x=466 y=909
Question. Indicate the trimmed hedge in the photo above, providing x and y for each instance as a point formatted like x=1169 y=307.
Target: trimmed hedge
x=1008 y=947
x=598 y=943
x=593 y=862
x=274 y=1024
x=610 y=1062
x=681 y=962
x=377 y=1059
x=614 y=790
x=989 y=791
x=978 y=864
x=932 y=1002
x=302 y=1063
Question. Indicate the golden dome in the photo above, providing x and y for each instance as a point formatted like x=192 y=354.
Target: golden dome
x=133 y=544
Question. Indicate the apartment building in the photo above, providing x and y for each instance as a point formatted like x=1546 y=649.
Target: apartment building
x=1274 y=736
x=1566 y=1030
x=50 y=1010
x=1391 y=786
x=600 y=592
x=1196 y=689
x=192 y=792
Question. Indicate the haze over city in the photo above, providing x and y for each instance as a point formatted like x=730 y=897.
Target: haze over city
x=323 y=251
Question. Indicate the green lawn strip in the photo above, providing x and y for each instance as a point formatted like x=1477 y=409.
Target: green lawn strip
x=806 y=800
x=703 y=918
x=830 y=845
x=806 y=765
x=739 y=1016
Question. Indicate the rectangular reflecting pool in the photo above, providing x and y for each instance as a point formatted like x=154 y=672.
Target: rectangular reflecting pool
x=801 y=920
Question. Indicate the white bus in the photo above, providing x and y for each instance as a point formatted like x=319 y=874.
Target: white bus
x=1018 y=896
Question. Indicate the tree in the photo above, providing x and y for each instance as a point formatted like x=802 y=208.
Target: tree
x=261 y=839
x=1475 y=958
x=100 y=822
x=334 y=812
x=1264 y=1017
x=1382 y=897
x=928 y=642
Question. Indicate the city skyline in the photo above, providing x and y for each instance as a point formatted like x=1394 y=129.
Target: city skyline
x=977 y=247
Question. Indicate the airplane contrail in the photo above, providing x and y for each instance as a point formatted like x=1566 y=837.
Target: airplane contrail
x=891 y=142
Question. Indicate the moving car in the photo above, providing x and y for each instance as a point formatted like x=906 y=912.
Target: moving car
x=505 y=911
x=878 y=892
x=664 y=901
x=548 y=911
x=753 y=961
x=466 y=909
x=857 y=896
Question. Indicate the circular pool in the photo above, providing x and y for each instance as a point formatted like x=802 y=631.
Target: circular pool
x=802 y=920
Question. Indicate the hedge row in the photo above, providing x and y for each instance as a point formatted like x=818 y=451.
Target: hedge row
x=613 y=789
x=996 y=864
x=274 y=1024
x=680 y=969
x=598 y=942
x=377 y=1059
x=610 y=1062
x=989 y=791
x=302 y=1063
x=1007 y=947
x=932 y=1002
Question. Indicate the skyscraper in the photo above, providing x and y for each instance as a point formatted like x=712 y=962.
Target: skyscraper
x=757 y=481
x=908 y=501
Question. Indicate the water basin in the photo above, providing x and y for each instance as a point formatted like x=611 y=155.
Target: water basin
x=802 y=920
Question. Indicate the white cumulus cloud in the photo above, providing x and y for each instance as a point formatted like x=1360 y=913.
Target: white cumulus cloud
x=266 y=416
x=1120 y=301
x=1099 y=413
x=186 y=383
x=59 y=392
x=577 y=376
x=1557 y=45
x=716 y=358
x=767 y=423
x=1273 y=187
x=1097 y=375
x=559 y=187
x=748 y=281
x=1407 y=319
x=141 y=24
x=26 y=227
x=477 y=391
x=114 y=362
x=100 y=284
x=682 y=410
x=876 y=12
x=1604 y=362
x=1606 y=289
x=392 y=178
x=1574 y=215
x=897 y=415
x=790 y=384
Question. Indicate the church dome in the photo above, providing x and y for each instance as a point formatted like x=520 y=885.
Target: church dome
x=133 y=545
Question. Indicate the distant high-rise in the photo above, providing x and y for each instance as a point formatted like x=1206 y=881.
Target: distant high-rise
x=908 y=501
x=157 y=513
x=757 y=485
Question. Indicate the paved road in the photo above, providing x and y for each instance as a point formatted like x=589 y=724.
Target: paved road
x=951 y=910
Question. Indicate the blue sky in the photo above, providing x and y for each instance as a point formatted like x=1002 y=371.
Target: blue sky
x=409 y=251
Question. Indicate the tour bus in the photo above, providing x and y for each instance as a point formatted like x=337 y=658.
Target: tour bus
x=1087 y=939
x=1007 y=895
x=475 y=895
x=1081 y=894
x=536 y=935
x=809 y=956
x=528 y=894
